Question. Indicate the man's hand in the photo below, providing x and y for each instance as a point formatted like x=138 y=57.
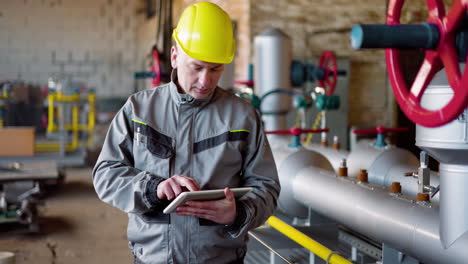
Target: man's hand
x=172 y=187
x=219 y=211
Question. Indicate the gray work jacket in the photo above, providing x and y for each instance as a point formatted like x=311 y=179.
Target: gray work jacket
x=218 y=141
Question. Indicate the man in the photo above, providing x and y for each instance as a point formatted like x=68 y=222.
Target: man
x=189 y=135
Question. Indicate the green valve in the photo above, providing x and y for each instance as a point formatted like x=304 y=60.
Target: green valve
x=144 y=75
x=255 y=101
x=253 y=98
x=327 y=102
x=302 y=102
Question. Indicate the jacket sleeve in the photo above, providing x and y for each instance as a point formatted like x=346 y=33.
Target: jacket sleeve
x=116 y=180
x=259 y=172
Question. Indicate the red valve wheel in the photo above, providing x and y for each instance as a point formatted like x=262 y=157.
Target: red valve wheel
x=328 y=63
x=445 y=55
x=156 y=68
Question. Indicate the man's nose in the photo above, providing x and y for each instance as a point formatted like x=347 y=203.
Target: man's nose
x=204 y=78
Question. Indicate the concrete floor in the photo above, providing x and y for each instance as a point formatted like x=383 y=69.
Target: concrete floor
x=76 y=227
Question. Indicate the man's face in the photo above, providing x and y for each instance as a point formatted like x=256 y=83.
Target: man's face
x=197 y=78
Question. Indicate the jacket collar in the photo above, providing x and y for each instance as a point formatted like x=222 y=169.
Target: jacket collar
x=186 y=98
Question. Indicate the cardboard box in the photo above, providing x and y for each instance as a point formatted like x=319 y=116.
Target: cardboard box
x=16 y=141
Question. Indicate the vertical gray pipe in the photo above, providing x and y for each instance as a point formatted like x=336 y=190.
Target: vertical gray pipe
x=448 y=144
x=453 y=202
x=273 y=56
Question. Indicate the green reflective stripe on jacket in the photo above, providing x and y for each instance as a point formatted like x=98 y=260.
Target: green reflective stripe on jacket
x=240 y=130
x=139 y=122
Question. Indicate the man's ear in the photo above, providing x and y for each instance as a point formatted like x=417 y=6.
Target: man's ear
x=174 y=53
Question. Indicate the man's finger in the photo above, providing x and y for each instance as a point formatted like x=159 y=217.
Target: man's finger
x=194 y=211
x=175 y=188
x=189 y=183
x=168 y=192
x=209 y=205
x=229 y=194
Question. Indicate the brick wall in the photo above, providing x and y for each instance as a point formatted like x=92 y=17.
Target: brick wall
x=91 y=41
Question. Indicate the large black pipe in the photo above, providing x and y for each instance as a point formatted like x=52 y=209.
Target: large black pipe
x=425 y=36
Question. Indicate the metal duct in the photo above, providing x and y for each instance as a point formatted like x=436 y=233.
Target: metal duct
x=226 y=81
x=397 y=221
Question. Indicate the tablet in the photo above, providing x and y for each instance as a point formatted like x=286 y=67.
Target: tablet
x=203 y=196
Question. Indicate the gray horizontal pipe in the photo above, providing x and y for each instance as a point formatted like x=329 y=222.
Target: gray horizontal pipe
x=371 y=211
x=385 y=166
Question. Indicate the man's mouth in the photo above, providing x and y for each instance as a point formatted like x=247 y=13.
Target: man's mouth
x=202 y=90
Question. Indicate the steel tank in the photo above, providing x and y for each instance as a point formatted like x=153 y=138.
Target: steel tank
x=448 y=144
x=271 y=72
x=226 y=81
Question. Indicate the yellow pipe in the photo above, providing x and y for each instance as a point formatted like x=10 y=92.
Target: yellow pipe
x=307 y=242
x=74 y=143
x=89 y=127
x=51 y=124
x=91 y=117
x=4 y=95
x=75 y=127
x=59 y=97
x=55 y=146
x=81 y=127
x=68 y=98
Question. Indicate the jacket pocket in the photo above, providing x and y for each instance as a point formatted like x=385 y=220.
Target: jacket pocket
x=155 y=217
x=159 y=149
x=157 y=143
x=152 y=150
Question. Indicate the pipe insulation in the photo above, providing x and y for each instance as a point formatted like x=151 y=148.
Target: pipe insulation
x=405 y=225
x=289 y=161
x=453 y=203
x=448 y=144
x=334 y=156
x=388 y=165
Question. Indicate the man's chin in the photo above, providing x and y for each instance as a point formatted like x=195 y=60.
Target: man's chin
x=201 y=95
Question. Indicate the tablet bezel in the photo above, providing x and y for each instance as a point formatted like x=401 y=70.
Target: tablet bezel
x=205 y=195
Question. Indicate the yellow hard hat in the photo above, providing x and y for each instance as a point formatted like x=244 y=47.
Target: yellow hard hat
x=204 y=32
